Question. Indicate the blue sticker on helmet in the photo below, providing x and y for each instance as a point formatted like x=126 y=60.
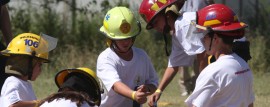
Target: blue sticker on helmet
x=211 y=16
x=107 y=17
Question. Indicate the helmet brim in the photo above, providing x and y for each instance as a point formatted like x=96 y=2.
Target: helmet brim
x=9 y=54
x=107 y=34
x=149 y=24
x=119 y=37
x=231 y=27
x=60 y=78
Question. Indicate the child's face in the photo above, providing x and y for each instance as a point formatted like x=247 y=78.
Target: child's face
x=124 y=45
x=36 y=70
x=159 y=23
x=210 y=50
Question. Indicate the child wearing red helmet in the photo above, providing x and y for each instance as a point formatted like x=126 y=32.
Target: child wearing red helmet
x=228 y=81
x=163 y=17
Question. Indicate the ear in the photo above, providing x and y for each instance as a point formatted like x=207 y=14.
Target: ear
x=216 y=39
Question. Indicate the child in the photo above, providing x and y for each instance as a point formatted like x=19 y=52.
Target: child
x=126 y=70
x=25 y=55
x=227 y=82
x=77 y=88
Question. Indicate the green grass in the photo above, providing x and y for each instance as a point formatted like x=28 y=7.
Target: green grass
x=262 y=90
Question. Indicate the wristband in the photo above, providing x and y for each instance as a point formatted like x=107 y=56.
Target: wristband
x=133 y=95
x=158 y=91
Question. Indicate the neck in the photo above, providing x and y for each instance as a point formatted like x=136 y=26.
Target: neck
x=223 y=52
x=24 y=78
x=125 y=55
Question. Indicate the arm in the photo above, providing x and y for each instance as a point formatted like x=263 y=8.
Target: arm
x=169 y=74
x=124 y=90
x=25 y=104
x=5 y=24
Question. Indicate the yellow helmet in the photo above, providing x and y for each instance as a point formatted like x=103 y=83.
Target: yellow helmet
x=120 y=23
x=90 y=84
x=27 y=44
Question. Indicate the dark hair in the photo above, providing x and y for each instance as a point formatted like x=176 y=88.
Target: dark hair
x=82 y=83
x=226 y=39
x=68 y=94
x=174 y=15
x=241 y=48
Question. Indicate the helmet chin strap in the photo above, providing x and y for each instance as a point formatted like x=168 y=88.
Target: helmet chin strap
x=211 y=34
x=30 y=66
x=166 y=29
x=116 y=48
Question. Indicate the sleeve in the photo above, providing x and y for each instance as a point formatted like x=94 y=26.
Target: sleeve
x=107 y=72
x=204 y=91
x=184 y=31
x=178 y=57
x=11 y=94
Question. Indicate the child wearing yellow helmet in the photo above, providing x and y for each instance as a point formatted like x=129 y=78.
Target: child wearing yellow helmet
x=79 y=87
x=126 y=71
x=25 y=55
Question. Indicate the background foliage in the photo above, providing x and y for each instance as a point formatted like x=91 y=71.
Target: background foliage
x=80 y=41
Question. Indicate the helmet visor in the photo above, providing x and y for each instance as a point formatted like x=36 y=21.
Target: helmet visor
x=191 y=37
x=46 y=44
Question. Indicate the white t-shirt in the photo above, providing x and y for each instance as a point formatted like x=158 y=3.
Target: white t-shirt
x=227 y=82
x=183 y=51
x=63 y=103
x=111 y=68
x=185 y=33
x=190 y=41
x=178 y=56
x=14 y=90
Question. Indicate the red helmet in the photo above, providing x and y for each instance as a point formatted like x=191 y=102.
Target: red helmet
x=150 y=8
x=220 y=18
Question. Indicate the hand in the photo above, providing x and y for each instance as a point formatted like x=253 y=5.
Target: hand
x=141 y=94
x=153 y=99
x=143 y=88
x=140 y=97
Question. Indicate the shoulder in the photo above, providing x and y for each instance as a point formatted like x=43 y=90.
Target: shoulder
x=225 y=65
x=59 y=102
x=13 y=81
x=107 y=54
x=212 y=71
x=139 y=50
x=233 y=61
